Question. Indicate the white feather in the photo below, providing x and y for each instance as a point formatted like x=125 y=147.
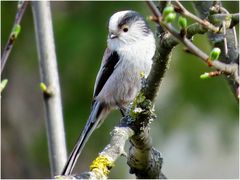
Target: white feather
x=113 y=22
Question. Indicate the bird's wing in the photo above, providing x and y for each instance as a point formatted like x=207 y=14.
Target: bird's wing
x=109 y=61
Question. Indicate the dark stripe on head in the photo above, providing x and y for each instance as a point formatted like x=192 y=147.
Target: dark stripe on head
x=133 y=16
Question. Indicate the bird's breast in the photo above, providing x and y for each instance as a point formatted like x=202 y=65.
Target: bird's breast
x=125 y=81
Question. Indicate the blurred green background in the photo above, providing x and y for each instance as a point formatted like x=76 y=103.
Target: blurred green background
x=197 y=120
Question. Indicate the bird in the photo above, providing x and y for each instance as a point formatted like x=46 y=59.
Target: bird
x=129 y=53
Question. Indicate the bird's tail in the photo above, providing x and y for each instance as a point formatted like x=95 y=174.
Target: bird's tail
x=91 y=125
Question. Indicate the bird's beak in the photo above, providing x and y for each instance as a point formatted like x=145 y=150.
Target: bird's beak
x=112 y=35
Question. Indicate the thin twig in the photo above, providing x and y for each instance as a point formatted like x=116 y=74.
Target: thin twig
x=195 y=50
x=235 y=38
x=225 y=39
x=154 y=9
x=13 y=36
x=230 y=25
x=182 y=10
x=228 y=21
x=50 y=79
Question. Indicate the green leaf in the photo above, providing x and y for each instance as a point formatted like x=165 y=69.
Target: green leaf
x=170 y=17
x=182 y=22
x=43 y=87
x=204 y=76
x=167 y=10
x=16 y=30
x=3 y=84
x=214 y=55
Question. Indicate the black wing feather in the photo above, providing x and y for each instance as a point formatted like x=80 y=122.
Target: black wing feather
x=107 y=70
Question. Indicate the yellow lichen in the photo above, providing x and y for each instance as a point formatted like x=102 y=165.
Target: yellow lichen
x=101 y=165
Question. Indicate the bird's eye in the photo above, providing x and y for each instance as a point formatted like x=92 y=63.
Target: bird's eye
x=125 y=28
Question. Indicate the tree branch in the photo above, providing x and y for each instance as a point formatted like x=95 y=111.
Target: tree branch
x=182 y=10
x=194 y=29
x=50 y=85
x=100 y=168
x=232 y=57
x=234 y=18
x=14 y=33
x=224 y=67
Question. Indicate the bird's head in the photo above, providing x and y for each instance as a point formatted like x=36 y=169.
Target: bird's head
x=125 y=28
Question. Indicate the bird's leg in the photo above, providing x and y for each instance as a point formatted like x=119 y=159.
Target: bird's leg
x=122 y=110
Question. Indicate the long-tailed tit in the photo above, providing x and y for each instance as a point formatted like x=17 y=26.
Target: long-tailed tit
x=131 y=46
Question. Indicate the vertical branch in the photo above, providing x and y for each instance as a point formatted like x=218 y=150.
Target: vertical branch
x=49 y=76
